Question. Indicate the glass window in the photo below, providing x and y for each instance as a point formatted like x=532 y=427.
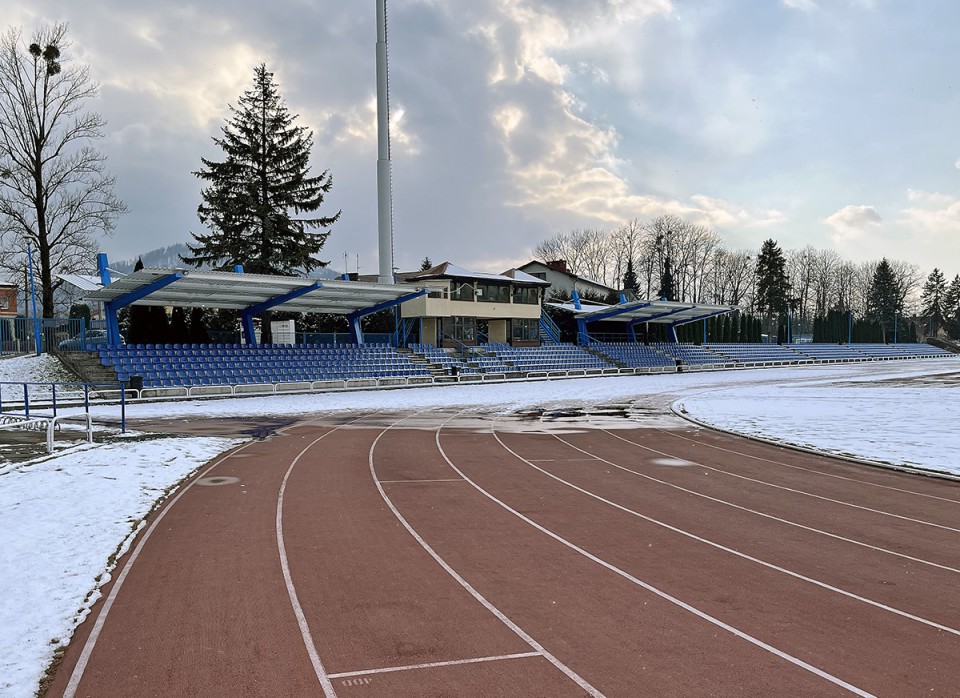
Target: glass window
x=526 y=330
x=462 y=329
x=4 y=302
x=461 y=291
x=526 y=295
x=493 y=293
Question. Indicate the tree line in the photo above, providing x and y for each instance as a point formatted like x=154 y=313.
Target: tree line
x=670 y=257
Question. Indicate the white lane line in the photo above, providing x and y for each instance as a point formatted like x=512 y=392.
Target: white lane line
x=431 y=665
x=400 y=482
x=318 y=669
x=732 y=551
x=808 y=470
x=764 y=515
x=540 y=649
x=790 y=489
x=662 y=594
x=94 y=635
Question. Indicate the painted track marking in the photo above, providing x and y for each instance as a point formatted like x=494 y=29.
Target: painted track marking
x=305 y=633
x=732 y=551
x=654 y=590
x=402 y=482
x=755 y=512
x=81 y=665
x=785 y=488
x=808 y=470
x=540 y=649
x=431 y=665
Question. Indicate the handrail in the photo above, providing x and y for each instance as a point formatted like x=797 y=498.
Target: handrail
x=549 y=326
x=463 y=347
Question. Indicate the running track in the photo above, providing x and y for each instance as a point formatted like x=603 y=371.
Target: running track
x=416 y=555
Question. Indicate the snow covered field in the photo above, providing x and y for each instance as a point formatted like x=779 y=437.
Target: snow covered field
x=62 y=518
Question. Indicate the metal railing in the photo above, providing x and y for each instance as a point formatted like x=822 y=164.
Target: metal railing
x=30 y=399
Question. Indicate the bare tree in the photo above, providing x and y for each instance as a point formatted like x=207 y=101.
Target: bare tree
x=54 y=188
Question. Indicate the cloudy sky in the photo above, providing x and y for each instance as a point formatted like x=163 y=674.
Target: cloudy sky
x=825 y=122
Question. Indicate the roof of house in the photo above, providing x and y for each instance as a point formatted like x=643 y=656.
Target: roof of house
x=570 y=274
x=446 y=270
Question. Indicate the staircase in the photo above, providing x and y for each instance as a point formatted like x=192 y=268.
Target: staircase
x=87 y=367
x=549 y=332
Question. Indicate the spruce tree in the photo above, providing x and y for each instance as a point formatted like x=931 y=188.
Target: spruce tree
x=772 y=284
x=932 y=299
x=630 y=284
x=260 y=203
x=255 y=196
x=666 y=282
x=951 y=307
x=138 y=331
x=883 y=301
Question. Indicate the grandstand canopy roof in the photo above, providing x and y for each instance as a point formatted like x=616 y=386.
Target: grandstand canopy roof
x=637 y=312
x=221 y=289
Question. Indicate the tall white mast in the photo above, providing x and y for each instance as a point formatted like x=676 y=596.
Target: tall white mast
x=384 y=183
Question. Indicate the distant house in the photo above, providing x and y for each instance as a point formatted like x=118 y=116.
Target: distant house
x=508 y=304
x=563 y=281
x=8 y=301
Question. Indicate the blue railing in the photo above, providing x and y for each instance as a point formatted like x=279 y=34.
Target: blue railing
x=549 y=327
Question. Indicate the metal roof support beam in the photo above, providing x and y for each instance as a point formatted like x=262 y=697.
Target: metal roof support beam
x=663 y=315
x=356 y=333
x=698 y=318
x=618 y=310
x=110 y=308
x=246 y=315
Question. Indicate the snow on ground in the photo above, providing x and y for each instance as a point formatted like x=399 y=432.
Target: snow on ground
x=29 y=369
x=896 y=424
x=62 y=518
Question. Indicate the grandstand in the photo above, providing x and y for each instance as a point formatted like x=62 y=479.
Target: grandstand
x=632 y=354
x=757 y=353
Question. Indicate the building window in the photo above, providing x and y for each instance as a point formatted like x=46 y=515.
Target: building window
x=542 y=275
x=461 y=292
x=526 y=330
x=528 y=296
x=462 y=329
x=493 y=293
x=4 y=302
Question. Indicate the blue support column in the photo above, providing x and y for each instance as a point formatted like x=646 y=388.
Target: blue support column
x=249 y=335
x=576 y=300
x=631 y=332
x=356 y=333
x=111 y=307
x=673 y=334
x=103 y=269
x=581 y=331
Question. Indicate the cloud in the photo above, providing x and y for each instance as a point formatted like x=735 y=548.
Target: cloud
x=850 y=222
x=802 y=5
x=933 y=214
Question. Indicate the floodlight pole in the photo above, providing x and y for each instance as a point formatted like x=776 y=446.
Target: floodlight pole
x=384 y=184
x=33 y=299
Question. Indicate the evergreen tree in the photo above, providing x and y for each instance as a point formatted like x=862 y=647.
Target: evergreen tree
x=666 y=282
x=772 y=284
x=257 y=201
x=159 y=324
x=425 y=264
x=198 y=329
x=951 y=307
x=630 y=285
x=138 y=331
x=883 y=299
x=933 y=299
x=179 y=332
